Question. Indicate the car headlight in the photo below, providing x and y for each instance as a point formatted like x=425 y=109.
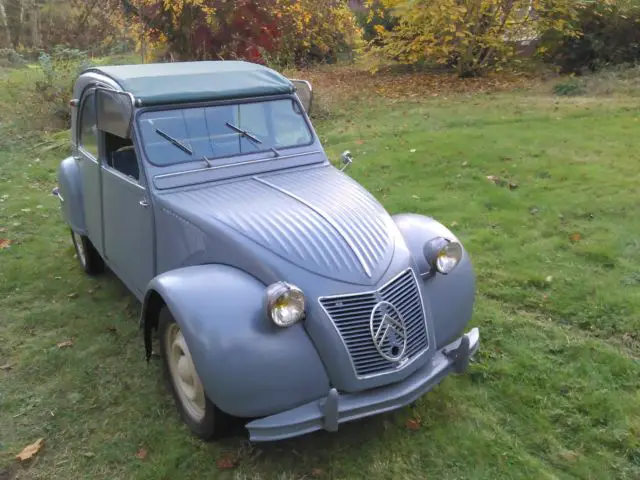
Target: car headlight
x=285 y=304
x=443 y=255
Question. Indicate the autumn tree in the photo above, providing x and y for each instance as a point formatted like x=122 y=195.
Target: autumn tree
x=470 y=35
x=283 y=31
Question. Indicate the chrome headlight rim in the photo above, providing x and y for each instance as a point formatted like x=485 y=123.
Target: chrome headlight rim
x=443 y=255
x=285 y=304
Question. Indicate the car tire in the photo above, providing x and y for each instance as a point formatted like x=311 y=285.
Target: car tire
x=204 y=419
x=89 y=258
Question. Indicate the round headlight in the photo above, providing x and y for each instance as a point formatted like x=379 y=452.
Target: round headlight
x=285 y=304
x=449 y=257
x=442 y=254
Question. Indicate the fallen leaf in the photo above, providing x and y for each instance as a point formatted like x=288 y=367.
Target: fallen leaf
x=72 y=295
x=65 y=344
x=30 y=450
x=464 y=164
x=360 y=142
x=569 y=455
x=225 y=463
x=575 y=237
x=6 y=366
x=4 y=243
x=317 y=473
x=496 y=180
x=412 y=424
x=142 y=453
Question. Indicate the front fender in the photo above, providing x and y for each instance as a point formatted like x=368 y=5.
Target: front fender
x=70 y=195
x=451 y=297
x=249 y=367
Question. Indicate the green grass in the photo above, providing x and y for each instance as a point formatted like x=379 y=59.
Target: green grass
x=554 y=392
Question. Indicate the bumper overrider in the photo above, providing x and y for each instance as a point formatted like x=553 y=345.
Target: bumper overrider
x=328 y=412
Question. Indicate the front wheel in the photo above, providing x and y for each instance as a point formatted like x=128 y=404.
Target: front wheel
x=202 y=417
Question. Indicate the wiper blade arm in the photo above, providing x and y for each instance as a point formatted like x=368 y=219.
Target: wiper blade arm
x=244 y=133
x=174 y=141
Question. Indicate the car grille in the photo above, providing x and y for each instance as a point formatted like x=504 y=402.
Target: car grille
x=351 y=315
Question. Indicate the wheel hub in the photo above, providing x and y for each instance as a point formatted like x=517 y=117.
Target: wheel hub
x=183 y=374
x=82 y=255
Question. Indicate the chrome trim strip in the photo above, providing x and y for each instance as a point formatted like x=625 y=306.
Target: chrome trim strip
x=373 y=292
x=229 y=165
x=326 y=217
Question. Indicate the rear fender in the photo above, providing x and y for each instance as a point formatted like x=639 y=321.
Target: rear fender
x=451 y=297
x=249 y=367
x=70 y=195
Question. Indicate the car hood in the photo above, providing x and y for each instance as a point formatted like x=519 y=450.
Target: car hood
x=316 y=218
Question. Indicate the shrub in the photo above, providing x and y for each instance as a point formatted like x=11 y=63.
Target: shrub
x=471 y=36
x=54 y=89
x=602 y=34
x=568 y=88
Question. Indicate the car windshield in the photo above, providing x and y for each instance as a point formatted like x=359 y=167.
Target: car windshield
x=191 y=134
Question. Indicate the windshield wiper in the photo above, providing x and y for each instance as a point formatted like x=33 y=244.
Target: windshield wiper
x=174 y=141
x=251 y=137
x=244 y=133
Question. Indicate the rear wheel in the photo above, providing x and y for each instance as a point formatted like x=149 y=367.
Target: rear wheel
x=89 y=258
x=202 y=417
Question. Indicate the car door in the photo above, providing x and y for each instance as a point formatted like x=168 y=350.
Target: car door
x=127 y=215
x=87 y=158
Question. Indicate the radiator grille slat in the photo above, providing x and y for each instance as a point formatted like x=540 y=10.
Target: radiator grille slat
x=351 y=315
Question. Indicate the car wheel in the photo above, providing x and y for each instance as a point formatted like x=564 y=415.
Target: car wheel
x=89 y=258
x=202 y=417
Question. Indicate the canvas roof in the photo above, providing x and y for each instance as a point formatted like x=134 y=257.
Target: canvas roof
x=179 y=82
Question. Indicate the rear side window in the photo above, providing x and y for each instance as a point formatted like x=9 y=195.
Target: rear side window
x=88 y=127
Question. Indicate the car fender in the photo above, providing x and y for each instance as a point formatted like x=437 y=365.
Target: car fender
x=70 y=195
x=249 y=367
x=451 y=297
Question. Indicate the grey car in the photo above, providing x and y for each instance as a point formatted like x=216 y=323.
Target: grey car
x=280 y=290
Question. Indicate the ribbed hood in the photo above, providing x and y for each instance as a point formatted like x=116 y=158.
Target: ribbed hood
x=318 y=218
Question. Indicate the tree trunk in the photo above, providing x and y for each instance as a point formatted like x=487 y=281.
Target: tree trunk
x=35 y=25
x=5 y=36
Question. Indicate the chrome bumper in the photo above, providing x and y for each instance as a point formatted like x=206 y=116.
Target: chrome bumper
x=327 y=413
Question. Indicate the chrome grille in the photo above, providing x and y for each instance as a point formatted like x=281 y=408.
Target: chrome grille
x=351 y=315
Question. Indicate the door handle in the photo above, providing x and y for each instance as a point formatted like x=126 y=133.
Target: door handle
x=144 y=203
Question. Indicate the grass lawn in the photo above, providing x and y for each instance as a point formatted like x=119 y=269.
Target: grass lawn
x=554 y=392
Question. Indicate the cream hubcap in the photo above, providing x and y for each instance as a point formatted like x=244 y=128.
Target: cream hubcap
x=82 y=255
x=183 y=373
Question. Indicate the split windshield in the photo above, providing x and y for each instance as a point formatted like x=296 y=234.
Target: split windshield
x=197 y=133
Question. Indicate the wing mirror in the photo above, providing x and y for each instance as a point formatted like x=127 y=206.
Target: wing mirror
x=304 y=92
x=347 y=159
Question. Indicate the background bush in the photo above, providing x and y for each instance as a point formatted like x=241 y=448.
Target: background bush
x=601 y=34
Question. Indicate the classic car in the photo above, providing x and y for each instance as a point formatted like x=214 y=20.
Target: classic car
x=279 y=290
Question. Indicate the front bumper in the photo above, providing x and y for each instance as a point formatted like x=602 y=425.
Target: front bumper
x=327 y=413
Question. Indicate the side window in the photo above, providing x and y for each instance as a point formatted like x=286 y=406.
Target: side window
x=121 y=156
x=88 y=130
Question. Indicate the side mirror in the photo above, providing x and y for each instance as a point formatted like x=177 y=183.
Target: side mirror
x=347 y=159
x=114 y=111
x=304 y=92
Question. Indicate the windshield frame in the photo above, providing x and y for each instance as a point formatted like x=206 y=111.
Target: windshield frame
x=220 y=161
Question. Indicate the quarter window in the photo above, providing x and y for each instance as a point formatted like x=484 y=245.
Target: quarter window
x=88 y=127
